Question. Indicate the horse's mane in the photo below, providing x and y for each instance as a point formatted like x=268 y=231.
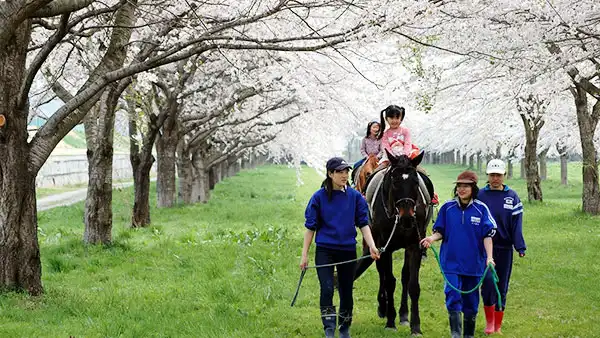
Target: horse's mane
x=402 y=162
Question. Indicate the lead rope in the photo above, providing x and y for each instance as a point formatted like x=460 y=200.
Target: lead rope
x=382 y=250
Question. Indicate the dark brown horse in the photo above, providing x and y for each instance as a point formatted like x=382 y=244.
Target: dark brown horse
x=399 y=209
x=366 y=169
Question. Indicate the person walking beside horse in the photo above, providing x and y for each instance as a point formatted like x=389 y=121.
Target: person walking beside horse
x=334 y=212
x=466 y=227
x=507 y=210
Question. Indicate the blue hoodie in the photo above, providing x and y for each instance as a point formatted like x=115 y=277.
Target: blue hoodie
x=507 y=209
x=463 y=230
x=335 y=221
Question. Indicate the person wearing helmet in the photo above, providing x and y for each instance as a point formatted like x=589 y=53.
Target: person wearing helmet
x=507 y=210
x=466 y=227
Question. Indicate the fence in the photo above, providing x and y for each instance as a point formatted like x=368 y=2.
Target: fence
x=60 y=170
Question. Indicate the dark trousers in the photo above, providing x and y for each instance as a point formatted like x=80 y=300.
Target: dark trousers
x=465 y=303
x=504 y=262
x=345 y=277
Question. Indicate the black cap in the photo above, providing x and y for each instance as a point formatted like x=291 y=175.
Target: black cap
x=337 y=163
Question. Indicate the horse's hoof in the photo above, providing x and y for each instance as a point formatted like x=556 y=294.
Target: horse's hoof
x=391 y=328
x=416 y=332
x=404 y=323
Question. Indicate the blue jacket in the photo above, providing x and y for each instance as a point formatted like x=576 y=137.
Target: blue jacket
x=507 y=210
x=462 y=251
x=335 y=221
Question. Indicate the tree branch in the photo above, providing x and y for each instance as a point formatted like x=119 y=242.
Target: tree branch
x=59 y=7
x=41 y=56
x=237 y=150
x=59 y=124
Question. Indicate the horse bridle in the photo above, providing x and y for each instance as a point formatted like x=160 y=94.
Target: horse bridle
x=397 y=202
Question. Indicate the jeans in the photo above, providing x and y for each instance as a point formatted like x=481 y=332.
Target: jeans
x=345 y=274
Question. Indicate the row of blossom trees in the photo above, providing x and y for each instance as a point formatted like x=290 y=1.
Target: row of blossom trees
x=212 y=85
x=207 y=84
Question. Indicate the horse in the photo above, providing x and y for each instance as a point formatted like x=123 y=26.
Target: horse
x=400 y=208
x=365 y=170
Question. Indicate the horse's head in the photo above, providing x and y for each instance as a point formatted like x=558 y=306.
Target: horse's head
x=370 y=164
x=403 y=184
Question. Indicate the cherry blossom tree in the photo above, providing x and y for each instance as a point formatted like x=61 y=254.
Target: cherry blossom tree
x=537 y=47
x=33 y=32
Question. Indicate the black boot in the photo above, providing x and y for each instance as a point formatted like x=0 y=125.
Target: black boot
x=329 y=320
x=455 y=323
x=345 y=320
x=469 y=325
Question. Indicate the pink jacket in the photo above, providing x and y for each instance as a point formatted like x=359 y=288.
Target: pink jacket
x=392 y=136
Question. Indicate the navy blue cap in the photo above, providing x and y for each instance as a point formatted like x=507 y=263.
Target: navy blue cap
x=337 y=163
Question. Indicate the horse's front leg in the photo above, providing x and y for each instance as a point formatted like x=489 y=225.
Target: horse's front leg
x=384 y=264
x=414 y=289
x=404 y=300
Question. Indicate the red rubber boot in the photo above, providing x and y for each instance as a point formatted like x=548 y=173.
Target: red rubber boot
x=490 y=312
x=498 y=316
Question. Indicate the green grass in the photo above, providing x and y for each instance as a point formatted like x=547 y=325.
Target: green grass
x=229 y=268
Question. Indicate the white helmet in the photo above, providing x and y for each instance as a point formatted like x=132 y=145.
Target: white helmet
x=496 y=166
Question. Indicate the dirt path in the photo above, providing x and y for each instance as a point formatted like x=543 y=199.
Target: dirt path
x=69 y=197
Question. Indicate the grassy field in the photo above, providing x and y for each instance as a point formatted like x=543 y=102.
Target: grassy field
x=229 y=268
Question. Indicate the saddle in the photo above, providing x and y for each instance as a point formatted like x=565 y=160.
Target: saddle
x=355 y=173
x=374 y=184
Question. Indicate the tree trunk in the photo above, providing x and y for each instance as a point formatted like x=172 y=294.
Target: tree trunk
x=141 y=163
x=231 y=169
x=532 y=130
x=510 y=170
x=534 y=189
x=245 y=163
x=543 y=165
x=200 y=184
x=523 y=173
x=212 y=178
x=141 y=205
x=98 y=204
x=479 y=162
x=185 y=173
x=587 y=125
x=140 y=155
x=20 y=267
x=564 y=160
x=166 y=149
x=220 y=170
x=465 y=162
x=472 y=162
x=99 y=127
